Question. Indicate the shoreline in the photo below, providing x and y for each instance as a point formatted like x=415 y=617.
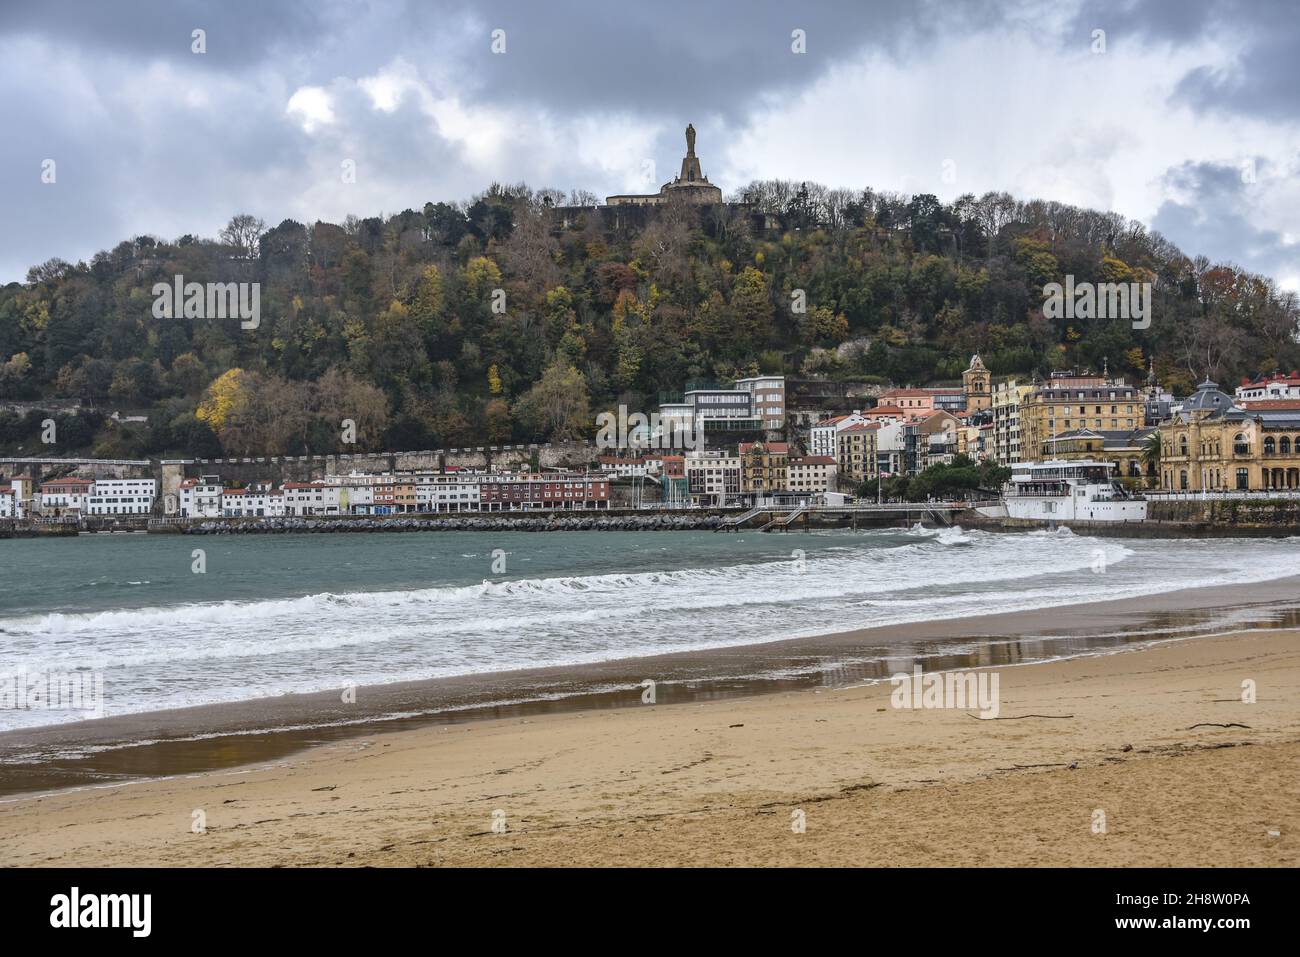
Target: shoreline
x=228 y=735
x=1154 y=743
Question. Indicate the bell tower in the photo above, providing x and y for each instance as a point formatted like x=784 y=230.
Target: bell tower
x=975 y=383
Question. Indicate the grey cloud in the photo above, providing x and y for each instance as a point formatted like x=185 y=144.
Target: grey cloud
x=1216 y=221
x=1266 y=75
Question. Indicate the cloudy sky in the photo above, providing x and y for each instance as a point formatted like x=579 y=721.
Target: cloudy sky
x=1188 y=119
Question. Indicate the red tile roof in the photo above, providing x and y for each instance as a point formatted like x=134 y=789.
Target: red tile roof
x=1280 y=405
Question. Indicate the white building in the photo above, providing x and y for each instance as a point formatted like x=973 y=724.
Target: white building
x=65 y=496
x=1273 y=387
x=200 y=497
x=623 y=466
x=10 y=505
x=712 y=477
x=822 y=440
x=891 y=448
x=810 y=473
x=121 y=497
x=460 y=495
x=769 y=398
x=313 y=498
x=252 y=502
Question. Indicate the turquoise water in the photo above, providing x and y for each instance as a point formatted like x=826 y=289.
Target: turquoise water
x=273 y=614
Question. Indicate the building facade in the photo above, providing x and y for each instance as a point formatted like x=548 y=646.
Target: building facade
x=811 y=473
x=713 y=478
x=121 y=497
x=1066 y=402
x=1212 y=444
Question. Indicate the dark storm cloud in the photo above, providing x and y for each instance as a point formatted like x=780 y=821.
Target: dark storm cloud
x=152 y=138
x=239 y=32
x=134 y=157
x=1214 y=220
x=665 y=57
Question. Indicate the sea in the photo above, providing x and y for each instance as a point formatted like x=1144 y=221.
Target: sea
x=174 y=621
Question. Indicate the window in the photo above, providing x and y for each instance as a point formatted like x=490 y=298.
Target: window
x=1269 y=446
x=1240 y=446
x=1284 y=445
x=1243 y=479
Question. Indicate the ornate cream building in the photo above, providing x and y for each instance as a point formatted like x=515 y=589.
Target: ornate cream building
x=1211 y=443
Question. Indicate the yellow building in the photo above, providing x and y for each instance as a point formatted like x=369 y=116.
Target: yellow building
x=855 y=453
x=1067 y=402
x=763 y=467
x=1210 y=443
x=1126 y=449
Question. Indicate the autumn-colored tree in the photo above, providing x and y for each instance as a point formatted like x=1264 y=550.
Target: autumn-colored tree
x=426 y=307
x=496 y=415
x=558 y=405
x=224 y=395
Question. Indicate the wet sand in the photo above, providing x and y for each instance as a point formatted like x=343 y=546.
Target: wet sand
x=226 y=736
x=1146 y=757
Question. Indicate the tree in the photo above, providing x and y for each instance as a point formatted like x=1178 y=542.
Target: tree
x=224 y=395
x=426 y=307
x=558 y=405
x=243 y=233
x=497 y=418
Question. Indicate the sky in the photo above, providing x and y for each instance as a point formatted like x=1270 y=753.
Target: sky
x=1182 y=114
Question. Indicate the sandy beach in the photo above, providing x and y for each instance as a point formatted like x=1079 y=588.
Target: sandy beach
x=1157 y=740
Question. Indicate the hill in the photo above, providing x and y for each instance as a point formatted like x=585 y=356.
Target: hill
x=511 y=318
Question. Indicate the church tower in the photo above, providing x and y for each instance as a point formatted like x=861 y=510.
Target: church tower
x=975 y=383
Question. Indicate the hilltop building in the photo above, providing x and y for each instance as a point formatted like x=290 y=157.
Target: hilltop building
x=691 y=185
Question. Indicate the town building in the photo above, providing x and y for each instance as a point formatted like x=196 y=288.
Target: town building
x=121 y=497
x=200 y=497
x=855 y=454
x=1276 y=386
x=912 y=402
x=65 y=496
x=769 y=398
x=1126 y=449
x=1067 y=401
x=810 y=473
x=1008 y=395
x=975 y=382
x=763 y=468
x=822 y=435
x=891 y=447
x=623 y=466
x=252 y=502
x=303 y=499
x=524 y=491
x=712 y=477
x=1212 y=444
